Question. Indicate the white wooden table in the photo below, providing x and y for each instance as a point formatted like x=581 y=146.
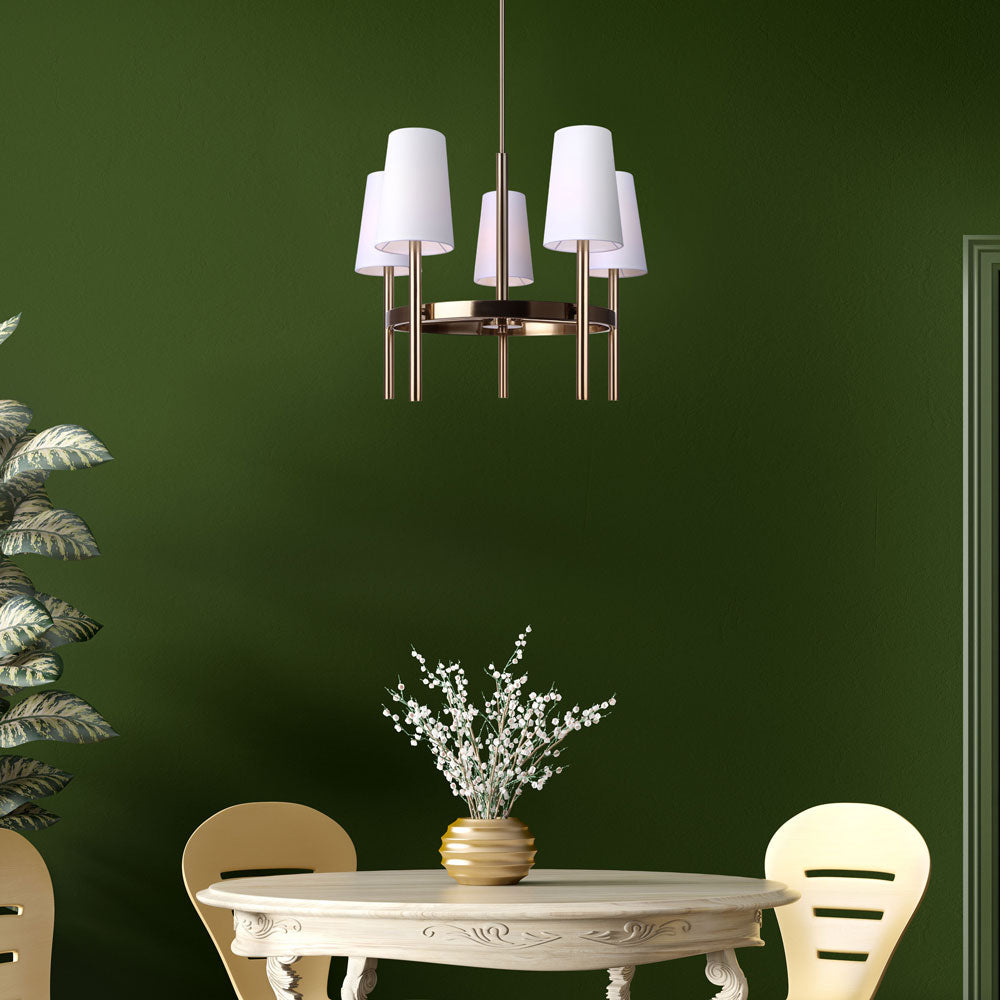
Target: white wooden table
x=552 y=921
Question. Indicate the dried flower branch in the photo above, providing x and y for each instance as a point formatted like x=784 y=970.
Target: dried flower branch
x=489 y=756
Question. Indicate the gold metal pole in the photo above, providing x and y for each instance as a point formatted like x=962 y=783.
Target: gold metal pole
x=582 y=319
x=503 y=281
x=388 y=368
x=416 y=326
x=613 y=336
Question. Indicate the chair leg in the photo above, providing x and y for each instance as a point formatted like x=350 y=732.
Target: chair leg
x=722 y=969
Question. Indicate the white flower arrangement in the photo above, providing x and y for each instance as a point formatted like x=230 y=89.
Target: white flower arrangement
x=489 y=756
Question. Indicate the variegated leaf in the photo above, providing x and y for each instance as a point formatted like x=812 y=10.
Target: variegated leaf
x=52 y=715
x=65 y=446
x=37 y=666
x=36 y=502
x=8 y=327
x=60 y=534
x=14 y=492
x=22 y=621
x=14 y=418
x=13 y=580
x=28 y=818
x=23 y=779
x=68 y=624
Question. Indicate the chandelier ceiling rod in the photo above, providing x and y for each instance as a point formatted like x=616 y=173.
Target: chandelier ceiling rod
x=502 y=257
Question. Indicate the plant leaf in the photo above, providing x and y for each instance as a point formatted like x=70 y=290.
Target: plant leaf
x=68 y=624
x=23 y=779
x=27 y=818
x=37 y=666
x=60 y=534
x=36 y=502
x=8 y=327
x=14 y=418
x=65 y=446
x=22 y=621
x=13 y=580
x=52 y=715
x=16 y=490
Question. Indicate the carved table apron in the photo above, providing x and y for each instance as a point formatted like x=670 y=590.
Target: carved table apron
x=555 y=920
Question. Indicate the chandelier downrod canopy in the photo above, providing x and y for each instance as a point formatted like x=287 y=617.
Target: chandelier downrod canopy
x=591 y=212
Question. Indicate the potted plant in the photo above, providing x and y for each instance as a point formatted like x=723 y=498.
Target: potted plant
x=489 y=756
x=34 y=624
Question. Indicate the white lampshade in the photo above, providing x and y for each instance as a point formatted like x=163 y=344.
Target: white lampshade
x=369 y=260
x=518 y=244
x=416 y=202
x=630 y=260
x=583 y=195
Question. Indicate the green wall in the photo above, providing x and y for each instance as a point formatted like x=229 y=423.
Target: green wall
x=758 y=548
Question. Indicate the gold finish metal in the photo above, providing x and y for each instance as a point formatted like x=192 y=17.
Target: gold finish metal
x=524 y=317
x=613 y=336
x=503 y=281
x=487 y=851
x=582 y=319
x=416 y=347
x=388 y=369
x=251 y=837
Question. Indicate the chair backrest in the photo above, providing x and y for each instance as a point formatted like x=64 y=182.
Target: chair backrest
x=27 y=911
x=861 y=871
x=262 y=837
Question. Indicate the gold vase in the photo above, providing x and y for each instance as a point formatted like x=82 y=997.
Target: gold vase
x=487 y=851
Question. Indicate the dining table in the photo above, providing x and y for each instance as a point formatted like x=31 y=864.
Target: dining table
x=554 y=920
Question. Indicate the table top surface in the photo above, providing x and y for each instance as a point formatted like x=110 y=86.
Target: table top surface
x=563 y=893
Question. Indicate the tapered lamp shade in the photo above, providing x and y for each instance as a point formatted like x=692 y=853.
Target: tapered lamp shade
x=630 y=259
x=369 y=260
x=518 y=244
x=416 y=202
x=583 y=195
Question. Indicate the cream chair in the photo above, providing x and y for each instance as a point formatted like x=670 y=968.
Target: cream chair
x=254 y=837
x=862 y=871
x=27 y=911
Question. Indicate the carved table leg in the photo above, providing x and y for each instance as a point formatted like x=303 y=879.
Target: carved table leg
x=360 y=979
x=723 y=970
x=618 y=988
x=283 y=978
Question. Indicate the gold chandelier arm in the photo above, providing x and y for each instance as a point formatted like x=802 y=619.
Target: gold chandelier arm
x=613 y=336
x=582 y=319
x=416 y=343
x=388 y=372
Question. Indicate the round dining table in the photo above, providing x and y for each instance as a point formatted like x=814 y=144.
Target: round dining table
x=554 y=920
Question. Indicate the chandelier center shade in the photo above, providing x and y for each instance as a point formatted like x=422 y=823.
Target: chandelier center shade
x=591 y=212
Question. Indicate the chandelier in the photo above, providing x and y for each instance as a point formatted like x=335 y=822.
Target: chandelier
x=591 y=211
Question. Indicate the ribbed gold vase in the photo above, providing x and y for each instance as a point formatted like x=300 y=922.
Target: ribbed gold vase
x=487 y=851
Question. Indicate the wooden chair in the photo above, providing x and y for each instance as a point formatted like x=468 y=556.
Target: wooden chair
x=861 y=870
x=27 y=911
x=255 y=837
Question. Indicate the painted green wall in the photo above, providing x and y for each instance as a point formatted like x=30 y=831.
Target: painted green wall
x=758 y=548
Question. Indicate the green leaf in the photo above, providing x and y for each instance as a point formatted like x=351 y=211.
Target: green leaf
x=36 y=502
x=38 y=666
x=23 y=779
x=13 y=492
x=65 y=446
x=14 y=418
x=52 y=715
x=60 y=534
x=13 y=580
x=28 y=818
x=22 y=621
x=68 y=624
x=8 y=327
